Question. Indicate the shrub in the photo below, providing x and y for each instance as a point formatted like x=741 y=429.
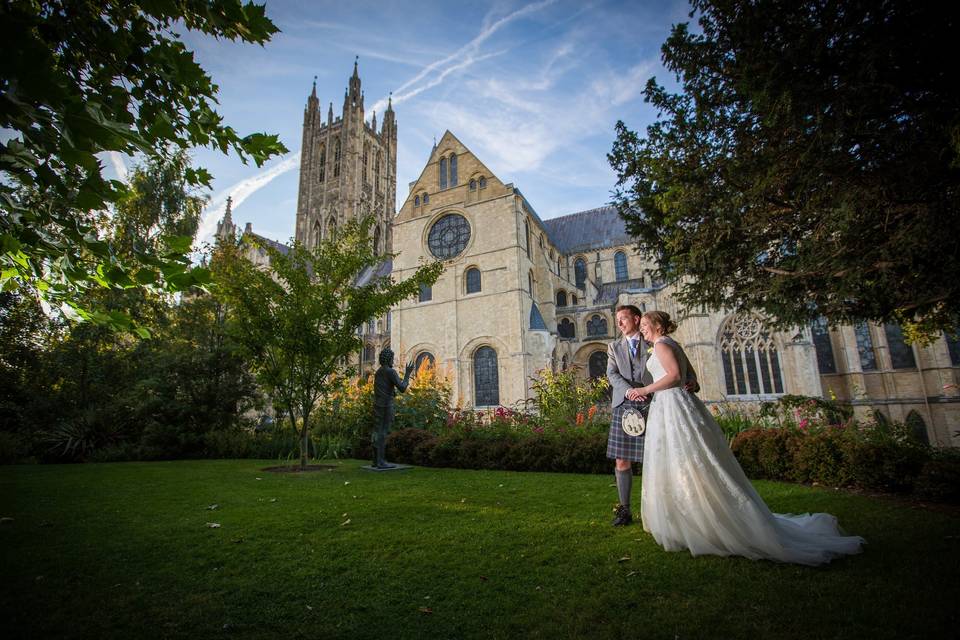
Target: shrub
x=884 y=465
x=939 y=479
x=564 y=398
x=402 y=444
x=821 y=456
x=14 y=447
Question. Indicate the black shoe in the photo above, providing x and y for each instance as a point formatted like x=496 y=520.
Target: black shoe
x=622 y=517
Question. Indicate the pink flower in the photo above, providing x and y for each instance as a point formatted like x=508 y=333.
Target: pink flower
x=803 y=423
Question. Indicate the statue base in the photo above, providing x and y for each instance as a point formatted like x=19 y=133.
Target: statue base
x=392 y=467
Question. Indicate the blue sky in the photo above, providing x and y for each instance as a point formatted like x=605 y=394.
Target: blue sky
x=532 y=88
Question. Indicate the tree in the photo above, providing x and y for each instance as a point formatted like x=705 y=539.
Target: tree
x=80 y=78
x=810 y=165
x=298 y=321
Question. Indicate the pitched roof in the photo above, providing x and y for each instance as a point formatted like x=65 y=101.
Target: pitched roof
x=592 y=229
x=381 y=270
x=267 y=242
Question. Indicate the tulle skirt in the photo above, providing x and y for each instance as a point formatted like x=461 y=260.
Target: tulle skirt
x=696 y=496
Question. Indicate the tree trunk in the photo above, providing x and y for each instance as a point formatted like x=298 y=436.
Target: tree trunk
x=305 y=441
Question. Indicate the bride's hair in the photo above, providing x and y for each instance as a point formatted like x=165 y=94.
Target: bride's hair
x=661 y=319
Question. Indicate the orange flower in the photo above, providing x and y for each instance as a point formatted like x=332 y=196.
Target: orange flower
x=592 y=412
x=579 y=417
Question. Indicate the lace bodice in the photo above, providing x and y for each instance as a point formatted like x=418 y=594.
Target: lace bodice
x=653 y=362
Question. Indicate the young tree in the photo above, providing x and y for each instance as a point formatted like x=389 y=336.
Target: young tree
x=810 y=165
x=297 y=321
x=79 y=78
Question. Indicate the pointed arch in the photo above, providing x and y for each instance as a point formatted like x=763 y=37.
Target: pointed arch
x=376 y=240
x=620 y=266
x=749 y=356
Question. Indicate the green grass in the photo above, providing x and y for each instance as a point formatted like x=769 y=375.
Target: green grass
x=123 y=550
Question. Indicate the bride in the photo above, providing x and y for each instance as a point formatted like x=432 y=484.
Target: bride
x=695 y=495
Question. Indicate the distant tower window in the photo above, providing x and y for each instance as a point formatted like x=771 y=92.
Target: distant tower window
x=597 y=326
x=530 y=283
x=567 y=329
x=322 y=161
x=620 y=262
x=426 y=293
x=376 y=172
x=336 y=158
x=526 y=229
x=426 y=198
x=416 y=201
x=473 y=185
x=580 y=273
x=561 y=298
x=483 y=183
x=453 y=170
x=868 y=357
x=317 y=232
x=473 y=280
x=823 y=347
x=443 y=173
x=486 y=378
x=366 y=162
x=376 y=241
x=901 y=354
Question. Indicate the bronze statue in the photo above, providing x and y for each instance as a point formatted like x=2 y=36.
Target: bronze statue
x=386 y=383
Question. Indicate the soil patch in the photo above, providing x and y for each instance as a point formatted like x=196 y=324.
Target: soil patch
x=296 y=468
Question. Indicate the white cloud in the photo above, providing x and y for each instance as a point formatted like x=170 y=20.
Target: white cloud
x=240 y=192
x=119 y=166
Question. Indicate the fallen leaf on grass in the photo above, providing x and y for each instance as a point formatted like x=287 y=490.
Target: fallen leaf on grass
x=632 y=573
x=426 y=610
x=346 y=482
x=309 y=608
x=343 y=524
x=213 y=507
x=624 y=559
x=213 y=525
x=273 y=499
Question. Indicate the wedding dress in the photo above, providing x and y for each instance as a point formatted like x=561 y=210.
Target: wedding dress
x=695 y=495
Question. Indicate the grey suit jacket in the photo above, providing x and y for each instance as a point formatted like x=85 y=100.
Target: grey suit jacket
x=626 y=372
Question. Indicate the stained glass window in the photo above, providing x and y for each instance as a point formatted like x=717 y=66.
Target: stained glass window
x=449 y=236
x=443 y=173
x=868 y=357
x=901 y=354
x=567 y=329
x=486 y=378
x=953 y=346
x=453 y=170
x=426 y=293
x=473 y=280
x=751 y=364
x=580 y=273
x=597 y=326
x=561 y=298
x=823 y=346
x=620 y=263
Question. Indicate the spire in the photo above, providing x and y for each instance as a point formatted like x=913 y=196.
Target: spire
x=226 y=230
x=227 y=217
x=330 y=114
x=310 y=113
x=390 y=103
x=313 y=94
x=356 y=96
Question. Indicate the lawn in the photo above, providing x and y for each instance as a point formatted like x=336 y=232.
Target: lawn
x=124 y=550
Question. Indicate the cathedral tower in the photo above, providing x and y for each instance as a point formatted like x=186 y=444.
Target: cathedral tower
x=348 y=169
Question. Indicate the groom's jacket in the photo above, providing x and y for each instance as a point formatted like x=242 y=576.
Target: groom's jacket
x=626 y=372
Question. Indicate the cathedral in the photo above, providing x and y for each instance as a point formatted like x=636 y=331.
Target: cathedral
x=520 y=294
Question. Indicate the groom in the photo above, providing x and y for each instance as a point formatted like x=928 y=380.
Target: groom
x=627 y=370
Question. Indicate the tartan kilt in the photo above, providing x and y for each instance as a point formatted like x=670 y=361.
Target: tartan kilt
x=619 y=443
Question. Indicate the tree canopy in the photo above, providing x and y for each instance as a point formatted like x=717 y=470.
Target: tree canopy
x=297 y=321
x=81 y=78
x=809 y=165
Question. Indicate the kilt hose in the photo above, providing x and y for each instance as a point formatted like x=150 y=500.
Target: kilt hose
x=619 y=443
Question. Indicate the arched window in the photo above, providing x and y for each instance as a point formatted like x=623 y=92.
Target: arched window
x=336 y=157
x=416 y=201
x=483 y=183
x=453 y=170
x=376 y=172
x=371 y=326
x=376 y=240
x=573 y=299
x=620 y=263
x=473 y=280
x=868 y=357
x=486 y=378
x=917 y=427
x=368 y=353
x=317 y=232
x=526 y=231
x=473 y=185
x=388 y=322
x=567 y=329
x=530 y=283
x=426 y=293
x=331 y=227
x=580 y=273
x=901 y=354
x=751 y=364
x=823 y=346
x=597 y=326
x=322 y=162
x=366 y=160
x=443 y=173
x=424 y=356
x=426 y=198
x=561 y=298
x=597 y=365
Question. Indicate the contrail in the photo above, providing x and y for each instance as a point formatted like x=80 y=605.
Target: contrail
x=240 y=192
x=466 y=50
x=119 y=166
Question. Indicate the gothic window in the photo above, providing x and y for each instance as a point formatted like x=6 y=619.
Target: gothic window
x=416 y=201
x=564 y=363
x=822 y=345
x=868 y=357
x=376 y=241
x=371 y=326
x=336 y=157
x=751 y=365
x=526 y=230
x=573 y=299
x=473 y=280
x=449 y=236
x=424 y=356
x=486 y=378
x=317 y=232
x=473 y=185
x=331 y=227
x=426 y=293
x=530 y=283
x=580 y=273
x=443 y=173
x=483 y=183
x=376 y=172
x=388 y=322
x=597 y=365
x=620 y=263
x=953 y=346
x=561 y=298
x=901 y=354
x=426 y=198
x=558 y=265
x=368 y=353
x=567 y=329
x=453 y=170
x=366 y=161
x=323 y=162
x=597 y=326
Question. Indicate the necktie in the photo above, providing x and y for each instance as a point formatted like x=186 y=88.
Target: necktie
x=633 y=346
